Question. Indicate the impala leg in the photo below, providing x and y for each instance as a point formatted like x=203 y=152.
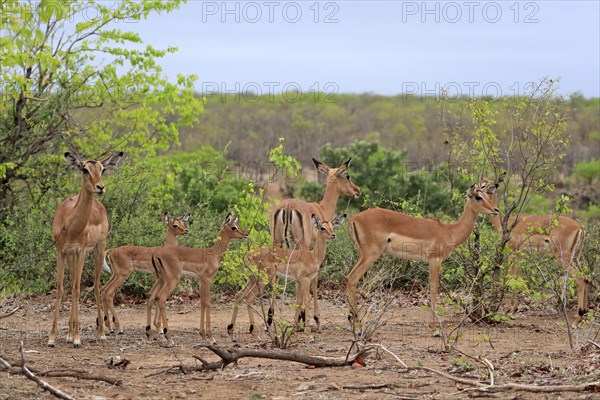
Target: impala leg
x=315 y=284
x=75 y=292
x=60 y=276
x=164 y=294
x=570 y=263
x=271 y=312
x=205 y=306
x=108 y=300
x=364 y=263
x=149 y=303
x=100 y=249
x=434 y=285
x=304 y=286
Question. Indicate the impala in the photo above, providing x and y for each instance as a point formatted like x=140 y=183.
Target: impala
x=291 y=220
x=126 y=259
x=562 y=237
x=379 y=231
x=172 y=262
x=301 y=264
x=80 y=224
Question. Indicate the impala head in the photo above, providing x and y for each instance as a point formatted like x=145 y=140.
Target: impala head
x=92 y=170
x=326 y=228
x=232 y=229
x=480 y=201
x=177 y=226
x=340 y=177
x=490 y=186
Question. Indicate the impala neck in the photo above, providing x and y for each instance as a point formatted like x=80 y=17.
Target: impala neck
x=330 y=199
x=319 y=250
x=496 y=222
x=221 y=245
x=80 y=214
x=171 y=239
x=463 y=228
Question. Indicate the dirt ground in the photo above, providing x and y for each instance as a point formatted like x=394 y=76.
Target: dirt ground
x=532 y=349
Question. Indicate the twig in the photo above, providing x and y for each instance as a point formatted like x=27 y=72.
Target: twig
x=8 y=314
x=594 y=344
x=41 y=383
x=484 y=361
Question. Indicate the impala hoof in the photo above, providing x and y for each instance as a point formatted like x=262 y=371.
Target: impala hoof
x=51 y=345
x=103 y=337
x=76 y=345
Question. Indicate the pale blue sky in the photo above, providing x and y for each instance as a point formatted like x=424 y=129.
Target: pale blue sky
x=385 y=47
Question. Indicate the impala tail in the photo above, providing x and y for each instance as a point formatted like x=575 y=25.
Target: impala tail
x=105 y=264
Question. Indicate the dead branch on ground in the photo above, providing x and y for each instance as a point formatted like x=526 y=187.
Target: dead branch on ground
x=8 y=314
x=30 y=373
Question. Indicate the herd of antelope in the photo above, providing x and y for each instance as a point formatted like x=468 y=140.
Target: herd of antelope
x=299 y=231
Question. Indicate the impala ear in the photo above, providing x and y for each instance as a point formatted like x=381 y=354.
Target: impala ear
x=500 y=178
x=227 y=219
x=185 y=218
x=339 y=220
x=167 y=218
x=472 y=190
x=112 y=160
x=315 y=220
x=73 y=160
x=235 y=220
x=321 y=167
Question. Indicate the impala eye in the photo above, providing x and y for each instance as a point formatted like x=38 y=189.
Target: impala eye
x=348 y=177
x=86 y=171
x=478 y=198
x=233 y=228
x=103 y=169
x=322 y=228
x=175 y=226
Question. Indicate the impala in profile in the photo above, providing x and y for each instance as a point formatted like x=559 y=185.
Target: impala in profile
x=126 y=259
x=172 y=262
x=378 y=231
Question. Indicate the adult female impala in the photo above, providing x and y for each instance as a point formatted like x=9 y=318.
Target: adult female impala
x=562 y=237
x=379 y=231
x=173 y=262
x=300 y=264
x=291 y=221
x=80 y=224
x=126 y=259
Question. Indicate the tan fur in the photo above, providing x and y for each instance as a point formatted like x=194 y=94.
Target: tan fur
x=172 y=262
x=80 y=224
x=126 y=259
x=379 y=231
x=301 y=264
x=299 y=230
x=539 y=234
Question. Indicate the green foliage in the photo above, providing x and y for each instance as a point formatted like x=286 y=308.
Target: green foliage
x=386 y=179
x=588 y=171
x=75 y=82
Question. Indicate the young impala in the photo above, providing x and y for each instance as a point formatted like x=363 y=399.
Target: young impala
x=172 y=262
x=126 y=259
x=80 y=224
x=300 y=264
x=291 y=220
x=379 y=231
x=562 y=237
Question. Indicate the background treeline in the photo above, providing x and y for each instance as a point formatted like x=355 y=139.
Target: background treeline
x=411 y=124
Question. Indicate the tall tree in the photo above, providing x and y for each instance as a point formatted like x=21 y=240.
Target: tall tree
x=72 y=78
